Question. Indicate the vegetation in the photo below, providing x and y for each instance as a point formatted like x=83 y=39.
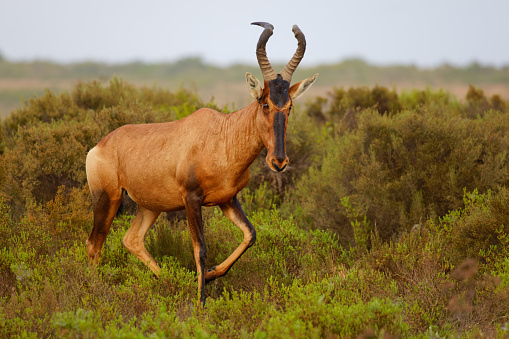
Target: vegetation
x=392 y=220
x=354 y=71
x=20 y=81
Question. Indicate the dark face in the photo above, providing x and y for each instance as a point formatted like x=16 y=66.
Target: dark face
x=275 y=104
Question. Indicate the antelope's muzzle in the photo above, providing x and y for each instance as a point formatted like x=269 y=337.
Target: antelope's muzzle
x=278 y=160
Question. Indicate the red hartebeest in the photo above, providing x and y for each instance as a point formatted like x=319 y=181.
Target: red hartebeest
x=201 y=160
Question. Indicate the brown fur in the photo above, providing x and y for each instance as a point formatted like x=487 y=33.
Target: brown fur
x=201 y=160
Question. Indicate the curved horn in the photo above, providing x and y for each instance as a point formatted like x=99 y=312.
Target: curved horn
x=267 y=71
x=287 y=72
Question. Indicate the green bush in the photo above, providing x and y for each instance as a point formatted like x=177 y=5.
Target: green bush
x=425 y=99
x=45 y=109
x=399 y=170
x=478 y=230
x=342 y=104
x=45 y=157
x=477 y=103
x=88 y=98
x=441 y=275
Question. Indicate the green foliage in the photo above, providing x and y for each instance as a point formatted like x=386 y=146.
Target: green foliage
x=478 y=104
x=292 y=282
x=55 y=292
x=344 y=105
x=90 y=98
x=503 y=272
x=171 y=239
x=479 y=230
x=361 y=98
x=312 y=310
x=5 y=222
x=47 y=156
x=387 y=224
x=402 y=169
x=361 y=228
x=428 y=98
x=47 y=108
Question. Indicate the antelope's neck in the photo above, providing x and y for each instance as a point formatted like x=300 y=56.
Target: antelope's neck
x=243 y=141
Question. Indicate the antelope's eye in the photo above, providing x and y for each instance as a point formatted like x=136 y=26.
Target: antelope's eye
x=265 y=105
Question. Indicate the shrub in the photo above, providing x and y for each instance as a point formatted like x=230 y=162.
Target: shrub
x=398 y=170
x=45 y=157
x=443 y=280
x=45 y=109
x=477 y=103
x=88 y=98
x=422 y=99
x=416 y=268
x=478 y=230
x=344 y=103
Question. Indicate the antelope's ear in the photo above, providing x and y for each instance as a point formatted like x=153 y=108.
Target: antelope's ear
x=296 y=90
x=254 y=86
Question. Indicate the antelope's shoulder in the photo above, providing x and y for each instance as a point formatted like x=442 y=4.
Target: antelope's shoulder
x=204 y=114
x=204 y=121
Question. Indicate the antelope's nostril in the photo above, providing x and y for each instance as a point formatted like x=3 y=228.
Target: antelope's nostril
x=277 y=168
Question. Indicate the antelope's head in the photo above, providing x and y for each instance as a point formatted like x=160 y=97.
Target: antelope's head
x=276 y=96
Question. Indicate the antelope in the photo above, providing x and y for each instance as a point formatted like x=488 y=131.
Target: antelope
x=200 y=160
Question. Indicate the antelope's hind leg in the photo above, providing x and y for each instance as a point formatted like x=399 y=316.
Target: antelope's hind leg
x=106 y=196
x=135 y=236
x=105 y=206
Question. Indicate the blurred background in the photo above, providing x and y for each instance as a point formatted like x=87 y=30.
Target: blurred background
x=208 y=46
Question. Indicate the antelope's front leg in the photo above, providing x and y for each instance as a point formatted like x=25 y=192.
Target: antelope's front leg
x=234 y=212
x=194 y=219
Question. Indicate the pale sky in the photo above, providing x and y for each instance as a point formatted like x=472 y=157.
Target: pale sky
x=423 y=33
